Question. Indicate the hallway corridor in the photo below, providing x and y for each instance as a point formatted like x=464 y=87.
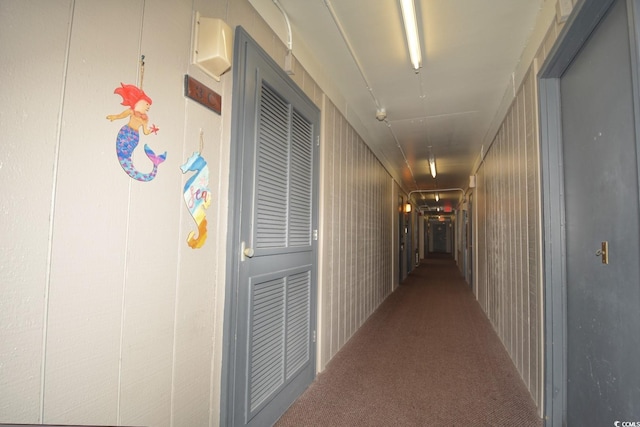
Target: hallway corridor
x=427 y=357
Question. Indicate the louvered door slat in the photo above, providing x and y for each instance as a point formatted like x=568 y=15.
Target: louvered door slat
x=300 y=186
x=267 y=339
x=272 y=172
x=297 y=321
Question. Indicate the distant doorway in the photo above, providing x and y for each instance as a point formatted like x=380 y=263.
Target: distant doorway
x=440 y=236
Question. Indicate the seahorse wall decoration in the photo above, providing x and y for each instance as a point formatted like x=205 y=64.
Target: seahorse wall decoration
x=129 y=136
x=197 y=196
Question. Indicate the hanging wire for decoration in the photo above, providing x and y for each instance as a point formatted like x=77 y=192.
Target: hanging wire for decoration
x=141 y=71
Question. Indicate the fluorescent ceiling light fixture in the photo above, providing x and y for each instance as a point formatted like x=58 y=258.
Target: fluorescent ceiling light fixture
x=411 y=31
x=432 y=165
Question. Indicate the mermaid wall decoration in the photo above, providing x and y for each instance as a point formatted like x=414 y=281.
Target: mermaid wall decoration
x=197 y=196
x=129 y=136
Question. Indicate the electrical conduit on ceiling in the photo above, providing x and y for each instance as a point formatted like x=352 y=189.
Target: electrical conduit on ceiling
x=288 y=59
x=286 y=18
x=366 y=81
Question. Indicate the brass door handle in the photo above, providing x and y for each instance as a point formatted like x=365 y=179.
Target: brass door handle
x=604 y=252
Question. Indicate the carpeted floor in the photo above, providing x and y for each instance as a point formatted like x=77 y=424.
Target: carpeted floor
x=427 y=357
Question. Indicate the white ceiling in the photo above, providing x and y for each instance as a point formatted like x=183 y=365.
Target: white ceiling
x=470 y=50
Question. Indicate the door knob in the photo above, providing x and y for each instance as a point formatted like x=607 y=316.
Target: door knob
x=245 y=251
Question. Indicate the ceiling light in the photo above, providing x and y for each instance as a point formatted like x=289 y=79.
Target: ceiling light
x=432 y=165
x=437 y=197
x=407 y=207
x=411 y=31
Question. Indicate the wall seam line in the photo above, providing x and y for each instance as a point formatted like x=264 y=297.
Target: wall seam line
x=52 y=208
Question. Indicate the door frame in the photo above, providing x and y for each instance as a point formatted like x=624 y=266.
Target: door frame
x=585 y=17
x=242 y=42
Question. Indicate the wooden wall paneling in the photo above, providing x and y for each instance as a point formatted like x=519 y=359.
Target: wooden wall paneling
x=521 y=224
x=349 y=235
x=535 y=232
x=369 y=212
x=380 y=224
x=90 y=241
x=358 y=247
x=151 y=274
x=491 y=238
x=359 y=254
x=335 y=231
x=513 y=285
x=510 y=232
x=489 y=213
x=498 y=294
x=368 y=247
x=341 y=185
x=387 y=201
x=199 y=294
x=497 y=279
x=530 y=113
x=511 y=238
x=363 y=254
x=335 y=242
x=523 y=217
x=324 y=240
x=481 y=247
x=377 y=225
x=502 y=294
x=346 y=224
x=355 y=227
x=25 y=230
x=503 y=239
x=367 y=186
x=506 y=235
x=517 y=234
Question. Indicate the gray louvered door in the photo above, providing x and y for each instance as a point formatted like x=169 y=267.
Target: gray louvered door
x=275 y=355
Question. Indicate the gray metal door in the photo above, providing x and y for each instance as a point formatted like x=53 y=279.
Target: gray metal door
x=601 y=203
x=275 y=243
x=440 y=235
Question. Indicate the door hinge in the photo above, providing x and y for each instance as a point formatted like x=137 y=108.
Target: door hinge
x=315 y=234
x=313 y=336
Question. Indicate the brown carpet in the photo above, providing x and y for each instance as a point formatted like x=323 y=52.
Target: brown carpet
x=427 y=357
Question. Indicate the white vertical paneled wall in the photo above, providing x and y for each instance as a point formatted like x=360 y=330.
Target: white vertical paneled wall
x=355 y=231
x=29 y=120
x=106 y=315
x=509 y=280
